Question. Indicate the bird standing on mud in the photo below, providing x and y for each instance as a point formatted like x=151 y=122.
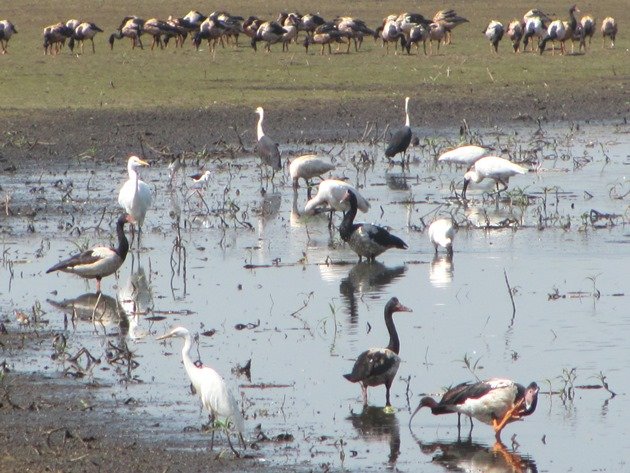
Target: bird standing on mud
x=100 y=261
x=135 y=195
x=215 y=395
x=496 y=402
x=378 y=366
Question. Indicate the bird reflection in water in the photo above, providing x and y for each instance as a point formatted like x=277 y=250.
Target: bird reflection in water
x=97 y=308
x=366 y=278
x=471 y=456
x=375 y=425
x=135 y=299
x=441 y=270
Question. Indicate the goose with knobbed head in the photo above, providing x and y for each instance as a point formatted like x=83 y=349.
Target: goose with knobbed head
x=135 y=195
x=399 y=142
x=100 y=261
x=378 y=366
x=214 y=392
x=266 y=148
x=559 y=30
x=496 y=402
x=366 y=239
x=492 y=167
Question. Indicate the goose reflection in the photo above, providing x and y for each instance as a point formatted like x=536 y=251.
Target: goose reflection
x=94 y=308
x=135 y=298
x=375 y=425
x=471 y=456
x=441 y=270
x=366 y=278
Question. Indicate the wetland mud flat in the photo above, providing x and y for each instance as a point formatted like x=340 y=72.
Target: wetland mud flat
x=138 y=413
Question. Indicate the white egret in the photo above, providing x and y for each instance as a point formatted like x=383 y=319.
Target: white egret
x=215 y=395
x=496 y=402
x=378 y=366
x=135 y=195
x=266 y=148
x=100 y=261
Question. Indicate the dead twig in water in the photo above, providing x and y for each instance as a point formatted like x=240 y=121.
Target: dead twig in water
x=507 y=282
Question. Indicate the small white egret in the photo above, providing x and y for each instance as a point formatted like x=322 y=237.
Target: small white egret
x=135 y=195
x=366 y=239
x=496 y=402
x=378 y=366
x=215 y=395
x=492 y=167
x=441 y=233
x=100 y=261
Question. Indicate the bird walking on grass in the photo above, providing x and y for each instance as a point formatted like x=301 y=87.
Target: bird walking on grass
x=100 y=261
x=378 y=366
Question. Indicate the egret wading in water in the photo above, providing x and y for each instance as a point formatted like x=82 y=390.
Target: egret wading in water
x=100 y=261
x=366 y=239
x=492 y=167
x=378 y=366
x=308 y=167
x=215 y=395
x=399 y=142
x=135 y=195
x=496 y=402
x=266 y=148
x=442 y=233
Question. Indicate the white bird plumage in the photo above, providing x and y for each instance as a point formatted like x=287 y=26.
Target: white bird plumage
x=135 y=195
x=492 y=167
x=465 y=155
x=331 y=192
x=215 y=395
x=441 y=233
x=266 y=147
x=307 y=167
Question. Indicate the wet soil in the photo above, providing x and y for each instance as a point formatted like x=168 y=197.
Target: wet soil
x=50 y=424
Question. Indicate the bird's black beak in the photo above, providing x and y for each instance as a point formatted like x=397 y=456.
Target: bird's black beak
x=466 y=182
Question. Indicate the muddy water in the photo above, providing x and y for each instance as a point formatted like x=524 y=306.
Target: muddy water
x=302 y=310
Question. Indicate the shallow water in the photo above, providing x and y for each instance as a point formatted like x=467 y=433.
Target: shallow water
x=304 y=316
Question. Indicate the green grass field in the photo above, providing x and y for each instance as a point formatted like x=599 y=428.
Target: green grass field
x=126 y=79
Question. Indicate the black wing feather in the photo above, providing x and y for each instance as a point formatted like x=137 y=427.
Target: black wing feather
x=399 y=142
x=370 y=363
x=383 y=237
x=85 y=258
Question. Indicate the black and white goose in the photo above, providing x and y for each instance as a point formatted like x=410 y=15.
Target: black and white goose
x=399 y=142
x=366 y=239
x=270 y=32
x=494 y=33
x=496 y=402
x=7 y=29
x=130 y=27
x=100 y=261
x=266 y=148
x=378 y=366
x=83 y=31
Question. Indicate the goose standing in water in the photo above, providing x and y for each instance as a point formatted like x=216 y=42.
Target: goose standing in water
x=135 y=195
x=266 y=148
x=100 y=261
x=496 y=402
x=378 y=366
x=366 y=239
x=400 y=140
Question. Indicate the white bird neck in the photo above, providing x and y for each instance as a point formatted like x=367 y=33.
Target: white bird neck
x=407 y=122
x=133 y=175
x=188 y=363
x=259 y=129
